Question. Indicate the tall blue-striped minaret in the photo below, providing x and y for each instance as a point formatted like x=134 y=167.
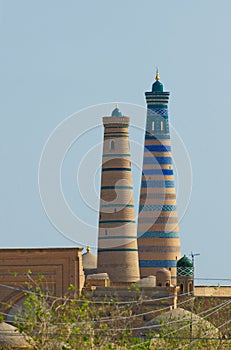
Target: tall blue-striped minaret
x=158 y=240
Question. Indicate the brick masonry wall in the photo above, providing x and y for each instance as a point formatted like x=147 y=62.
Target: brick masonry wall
x=215 y=291
x=59 y=266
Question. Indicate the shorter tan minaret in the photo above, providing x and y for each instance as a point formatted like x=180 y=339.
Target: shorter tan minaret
x=117 y=242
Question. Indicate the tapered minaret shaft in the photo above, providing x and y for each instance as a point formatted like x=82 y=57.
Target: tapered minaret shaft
x=158 y=240
x=117 y=241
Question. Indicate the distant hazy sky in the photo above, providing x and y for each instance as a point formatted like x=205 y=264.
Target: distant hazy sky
x=58 y=57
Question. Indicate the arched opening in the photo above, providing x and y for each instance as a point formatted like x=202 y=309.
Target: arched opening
x=167 y=284
x=16 y=307
x=112 y=145
x=181 y=288
x=190 y=287
x=160 y=284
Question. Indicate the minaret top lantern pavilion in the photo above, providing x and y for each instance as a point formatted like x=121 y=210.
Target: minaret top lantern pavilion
x=157 y=114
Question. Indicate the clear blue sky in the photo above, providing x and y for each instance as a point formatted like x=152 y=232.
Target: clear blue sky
x=58 y=57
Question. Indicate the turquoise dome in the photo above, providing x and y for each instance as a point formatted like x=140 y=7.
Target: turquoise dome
x=184 y=262
x=116 y=113
x=157 y=86
x=184 y=267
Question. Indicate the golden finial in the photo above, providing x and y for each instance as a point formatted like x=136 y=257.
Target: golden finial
x=157 y=74
x=88 y=249
x=116 y=105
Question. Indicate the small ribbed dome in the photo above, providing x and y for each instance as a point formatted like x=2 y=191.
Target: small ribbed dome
x=184 y=262
x=163 y=272
x=163 y=277
x=193 y=324
x=89 y=260
x=116 y=112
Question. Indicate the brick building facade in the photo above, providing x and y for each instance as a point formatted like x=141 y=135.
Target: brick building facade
x=60 y=268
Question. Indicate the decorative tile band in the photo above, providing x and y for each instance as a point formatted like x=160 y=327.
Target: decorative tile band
x=158 y=263
x=155 y=160
x=157 y=93
x=157 y=148
x=155 y=111
x=154 y=101
x=156 y=105
x=116 y=169
x=184 y=271
x=116 y=187
x=157 y=183
x=157 y=207
x=153 y=234
x=157 y=172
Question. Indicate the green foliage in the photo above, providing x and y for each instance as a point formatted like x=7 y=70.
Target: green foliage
x=67 y=323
